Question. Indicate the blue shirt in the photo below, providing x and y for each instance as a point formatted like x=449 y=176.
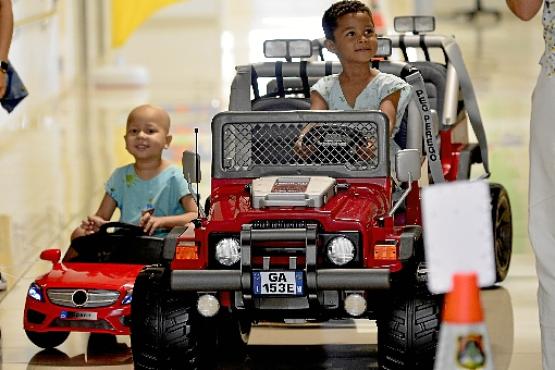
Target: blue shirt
x=134 y=195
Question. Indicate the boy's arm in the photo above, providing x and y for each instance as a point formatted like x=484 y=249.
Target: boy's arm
x=389 y=107
x=317 y=102
x=107 y=207
x=524 y=9
x=191 y=211
x=151 y=223
x=93 y=223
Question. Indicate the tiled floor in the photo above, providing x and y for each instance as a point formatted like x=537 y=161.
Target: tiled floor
x=53 y=167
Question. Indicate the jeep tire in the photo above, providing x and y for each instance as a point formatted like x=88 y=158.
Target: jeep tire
x=502 y=224
x=408 y=331
x=161 y=324
x=233 y=334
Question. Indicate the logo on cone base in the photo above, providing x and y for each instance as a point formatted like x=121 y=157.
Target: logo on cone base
x=470 y=353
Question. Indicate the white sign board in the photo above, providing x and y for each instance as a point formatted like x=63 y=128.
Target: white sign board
x=458 y=235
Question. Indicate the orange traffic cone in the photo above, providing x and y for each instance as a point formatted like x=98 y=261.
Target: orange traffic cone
x=463 y=339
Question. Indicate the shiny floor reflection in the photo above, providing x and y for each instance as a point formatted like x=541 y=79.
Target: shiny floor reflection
x=347 y=344
x=102 y=350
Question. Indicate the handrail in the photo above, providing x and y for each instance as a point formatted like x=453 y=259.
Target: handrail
x=35 y=18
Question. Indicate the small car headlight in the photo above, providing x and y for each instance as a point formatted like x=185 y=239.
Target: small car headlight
x=128 y=297
x=228 y=251
x=341 y=250
x=35 y=292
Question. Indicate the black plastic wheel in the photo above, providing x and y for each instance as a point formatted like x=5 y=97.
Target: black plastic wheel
x=502 y=223
x=408 y=331
x=233 y=334
x=47 y=340
x=163 y=335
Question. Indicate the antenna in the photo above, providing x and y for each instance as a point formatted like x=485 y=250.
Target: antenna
x=197 y=164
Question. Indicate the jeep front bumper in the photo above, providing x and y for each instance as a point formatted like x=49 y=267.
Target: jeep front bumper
x=315 y=279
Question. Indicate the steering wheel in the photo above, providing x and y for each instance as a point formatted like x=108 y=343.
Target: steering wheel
x=121 y=228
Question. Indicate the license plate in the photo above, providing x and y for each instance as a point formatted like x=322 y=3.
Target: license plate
x=278 y=283
x=78 y=315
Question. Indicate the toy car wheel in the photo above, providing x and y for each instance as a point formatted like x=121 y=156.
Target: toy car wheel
x=162 y=332
x=502 y=230
x=408 y=331
x=47 y=340
x=233 y=334
x=100 y=343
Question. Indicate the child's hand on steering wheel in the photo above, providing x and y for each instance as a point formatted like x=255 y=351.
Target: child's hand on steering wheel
x=366 y=152
x=92 y=224
x=303 y=150
x=150 y=223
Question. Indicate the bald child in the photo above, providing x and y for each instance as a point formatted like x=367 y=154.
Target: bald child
x=150 y=192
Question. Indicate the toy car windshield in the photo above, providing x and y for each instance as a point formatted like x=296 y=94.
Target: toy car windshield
x=96 y=248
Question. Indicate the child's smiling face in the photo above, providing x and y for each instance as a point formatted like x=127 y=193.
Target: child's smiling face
x=147 y=133
x=355 y=38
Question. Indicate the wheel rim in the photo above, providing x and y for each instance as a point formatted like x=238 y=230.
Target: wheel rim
x=503 y=236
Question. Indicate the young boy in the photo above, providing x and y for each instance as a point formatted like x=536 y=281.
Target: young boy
x=350 y=34
x=150 y=192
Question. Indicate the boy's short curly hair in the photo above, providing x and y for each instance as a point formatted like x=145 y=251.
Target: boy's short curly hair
x=338 y=9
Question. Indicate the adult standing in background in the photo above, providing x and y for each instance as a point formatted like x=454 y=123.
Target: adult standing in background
x=541 y=206
x=6 y=31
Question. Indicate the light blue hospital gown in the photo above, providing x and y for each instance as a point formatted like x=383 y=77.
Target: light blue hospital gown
x=381 y=86
x=134 y=195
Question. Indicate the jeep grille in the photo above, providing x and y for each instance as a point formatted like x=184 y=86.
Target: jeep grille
x=351 y=144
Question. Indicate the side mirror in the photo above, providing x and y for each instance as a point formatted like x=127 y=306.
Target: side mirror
x=52 y=255
x=190 y=167
x=407 y=165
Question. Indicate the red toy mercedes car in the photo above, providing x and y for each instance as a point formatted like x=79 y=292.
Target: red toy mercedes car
x=90 y=289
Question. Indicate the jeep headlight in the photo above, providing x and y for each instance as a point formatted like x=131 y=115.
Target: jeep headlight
x=341 y=250
x=228 y=251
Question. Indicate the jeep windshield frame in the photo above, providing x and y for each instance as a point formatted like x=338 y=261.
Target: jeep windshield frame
x=356 y=141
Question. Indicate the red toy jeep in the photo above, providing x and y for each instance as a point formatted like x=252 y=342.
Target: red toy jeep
x=306 y=221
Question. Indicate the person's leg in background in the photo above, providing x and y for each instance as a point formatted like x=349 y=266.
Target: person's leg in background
x=541 y=223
